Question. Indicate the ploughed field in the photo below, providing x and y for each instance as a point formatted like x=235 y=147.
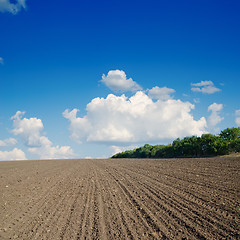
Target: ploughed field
x=121 y=199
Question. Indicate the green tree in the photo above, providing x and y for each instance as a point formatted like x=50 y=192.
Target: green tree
x=207 y=145
x=230 y=133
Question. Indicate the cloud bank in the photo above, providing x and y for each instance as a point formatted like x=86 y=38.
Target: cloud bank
x=205 y=87
x=1 y=59
x=30 y=130
x=122 y=120
x=14 y=8
x=15 y=154
x=117 y=81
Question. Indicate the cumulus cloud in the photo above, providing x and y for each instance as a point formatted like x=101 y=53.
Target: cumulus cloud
x=215 y=107
x=49 y=152
x=118 y=119
x=1 y=59
x=14 y=8
x=214 y=118
x=206 y=87
x=163 y=93
x=237 y=120
x=15 y=154
x=8 y=142
x=30 y=130
x=117 y=81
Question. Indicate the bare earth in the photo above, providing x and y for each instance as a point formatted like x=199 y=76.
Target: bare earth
x=121 y=199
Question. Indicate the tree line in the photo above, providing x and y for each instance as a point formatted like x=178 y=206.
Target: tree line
x=228 y=141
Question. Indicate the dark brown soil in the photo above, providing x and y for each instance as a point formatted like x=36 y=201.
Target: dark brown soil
x=121 y=199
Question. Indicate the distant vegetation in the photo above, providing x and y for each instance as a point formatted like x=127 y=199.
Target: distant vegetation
x=228 y=141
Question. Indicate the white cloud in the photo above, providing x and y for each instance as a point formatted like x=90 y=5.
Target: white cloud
x=203 y=83
x=237 y=120
x=79 y=126
x=8 y=142
x=215 y=107
x=15 y=154
x=117 y=80
x=206 y=87
x=214 y=118
x=30 y=130
x=49 y=152
x=1 y=59
x=118 y=119
x=14 y=8
x=160 y=93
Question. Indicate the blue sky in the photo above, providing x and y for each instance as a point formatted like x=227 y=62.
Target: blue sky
x=171 y=69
